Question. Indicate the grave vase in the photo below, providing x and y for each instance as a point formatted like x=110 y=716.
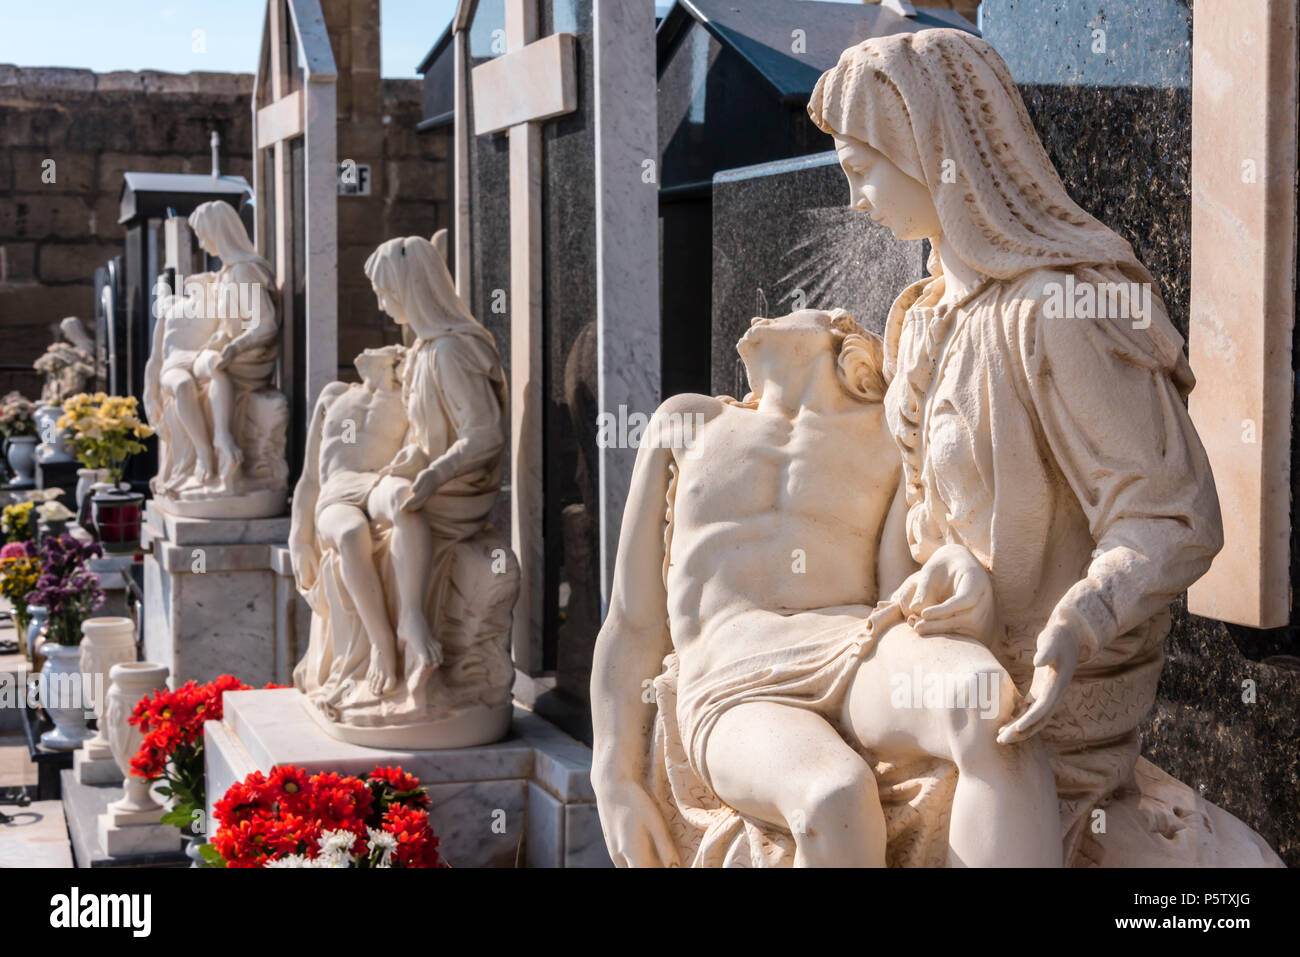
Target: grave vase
x=63 y=696
x=20 y=453
x=54 y=446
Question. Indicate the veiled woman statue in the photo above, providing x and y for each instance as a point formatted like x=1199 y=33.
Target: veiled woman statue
x=1036 y=393
x=221 y=425
x=412 y=592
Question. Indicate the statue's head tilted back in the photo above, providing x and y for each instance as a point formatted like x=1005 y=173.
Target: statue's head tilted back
x=770 y=345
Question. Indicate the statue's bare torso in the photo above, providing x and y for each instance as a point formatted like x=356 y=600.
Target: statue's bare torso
x=362 y=431
x=752 y=546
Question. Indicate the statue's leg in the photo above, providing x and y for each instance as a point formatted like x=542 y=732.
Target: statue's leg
x=182 y=387
x=790 y=768
x=413 y=553
x=947 y=697
x=221 y=399
x=348 y=530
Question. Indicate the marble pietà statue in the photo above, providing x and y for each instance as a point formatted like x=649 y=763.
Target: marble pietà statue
x=221 y=423
x=905 y=603
x=411 y=590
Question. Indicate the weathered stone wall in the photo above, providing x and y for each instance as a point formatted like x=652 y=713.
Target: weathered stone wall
x=95 y=127
x=59 y=222
x=410 y=186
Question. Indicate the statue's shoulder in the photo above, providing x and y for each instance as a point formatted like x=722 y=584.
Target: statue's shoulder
x=691 y=403
x=332 y=392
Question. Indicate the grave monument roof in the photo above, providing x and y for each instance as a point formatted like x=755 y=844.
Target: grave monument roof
x=760 y=31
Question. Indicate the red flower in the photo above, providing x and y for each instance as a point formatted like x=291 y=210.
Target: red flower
x=265 y=817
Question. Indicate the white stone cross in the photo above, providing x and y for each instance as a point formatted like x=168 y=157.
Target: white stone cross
x=1243 y=298
x=533 y=81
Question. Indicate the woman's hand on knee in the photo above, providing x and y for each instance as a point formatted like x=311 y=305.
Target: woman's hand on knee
x=951 y=594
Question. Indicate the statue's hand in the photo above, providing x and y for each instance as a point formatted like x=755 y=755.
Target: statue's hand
x=635 y=831
x=1055 y=659
x=951 y=594
x=425 y=484
x=306 y=566
x=228 y=353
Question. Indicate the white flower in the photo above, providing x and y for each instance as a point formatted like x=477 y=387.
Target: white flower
x=53 y=511
x=288 y=861
x=384 y=842
x=333 y=842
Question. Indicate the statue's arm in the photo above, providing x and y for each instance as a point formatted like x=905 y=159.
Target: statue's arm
x=153 y=409
x=303 y=550
x=475 y=412
x=1120 y=434
x=894 y=562
x=258 y=322
x=629 y=653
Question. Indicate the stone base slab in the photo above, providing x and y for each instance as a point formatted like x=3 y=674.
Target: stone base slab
x=217 y=599
x=524 y=801
x=84 y=805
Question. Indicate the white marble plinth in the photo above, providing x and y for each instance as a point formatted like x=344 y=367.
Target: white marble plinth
x=131 y=833
x=526 y=800
x=219 y=598
x=93 y=763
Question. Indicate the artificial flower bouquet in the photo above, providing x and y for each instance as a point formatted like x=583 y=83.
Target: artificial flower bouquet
x=106 y=430
x=172 y=749
x=17 y=416
x=20 y=568
x=291 y=819
x=66 y=587
x=18 y=522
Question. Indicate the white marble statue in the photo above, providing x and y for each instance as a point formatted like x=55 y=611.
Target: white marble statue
x=752 y=557
x=69 y=364
x=412 y=592
x=208 y=384
x=1049 y=485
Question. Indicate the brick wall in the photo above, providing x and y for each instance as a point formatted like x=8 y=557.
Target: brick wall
x=58 y=223
x=96 y=126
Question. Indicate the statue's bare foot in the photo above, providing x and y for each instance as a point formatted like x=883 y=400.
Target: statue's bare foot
x=422 y=649
x=382 y=675
x=204 y=469
x=229 y=458
x=426 y=656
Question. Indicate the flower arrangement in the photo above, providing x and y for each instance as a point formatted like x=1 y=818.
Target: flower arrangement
x=106 y=430
x=19 y=571
x=291 y=819
x=172 y=750
x=66 y=587
x=17 y=416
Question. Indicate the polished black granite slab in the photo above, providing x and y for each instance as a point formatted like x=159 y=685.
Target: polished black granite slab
x=784 y=238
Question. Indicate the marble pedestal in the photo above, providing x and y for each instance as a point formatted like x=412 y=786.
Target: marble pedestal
x=125 y=833
x=219 y=598
x=524 y=801
x=93 y=763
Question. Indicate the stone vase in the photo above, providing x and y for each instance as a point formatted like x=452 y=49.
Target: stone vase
x=105 y=642
x=63 y=697
x=53 y=446
x=130 y=681
x=20 y=453
x=86 y=479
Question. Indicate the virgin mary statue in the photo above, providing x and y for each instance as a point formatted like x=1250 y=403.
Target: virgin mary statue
x=427 y=664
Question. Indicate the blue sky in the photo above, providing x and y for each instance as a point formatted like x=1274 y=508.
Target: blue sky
x=105 y=35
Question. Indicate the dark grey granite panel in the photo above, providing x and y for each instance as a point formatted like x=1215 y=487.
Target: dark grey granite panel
x=784 y=238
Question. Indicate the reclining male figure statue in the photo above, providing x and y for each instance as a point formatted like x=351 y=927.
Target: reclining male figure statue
x=757 y=552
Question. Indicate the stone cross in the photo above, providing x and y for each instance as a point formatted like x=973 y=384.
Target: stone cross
x=1243 y=297
x=533 y=81
x=298 y=68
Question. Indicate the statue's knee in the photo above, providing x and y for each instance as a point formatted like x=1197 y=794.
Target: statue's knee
x=978 y=701
x=838 y=793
